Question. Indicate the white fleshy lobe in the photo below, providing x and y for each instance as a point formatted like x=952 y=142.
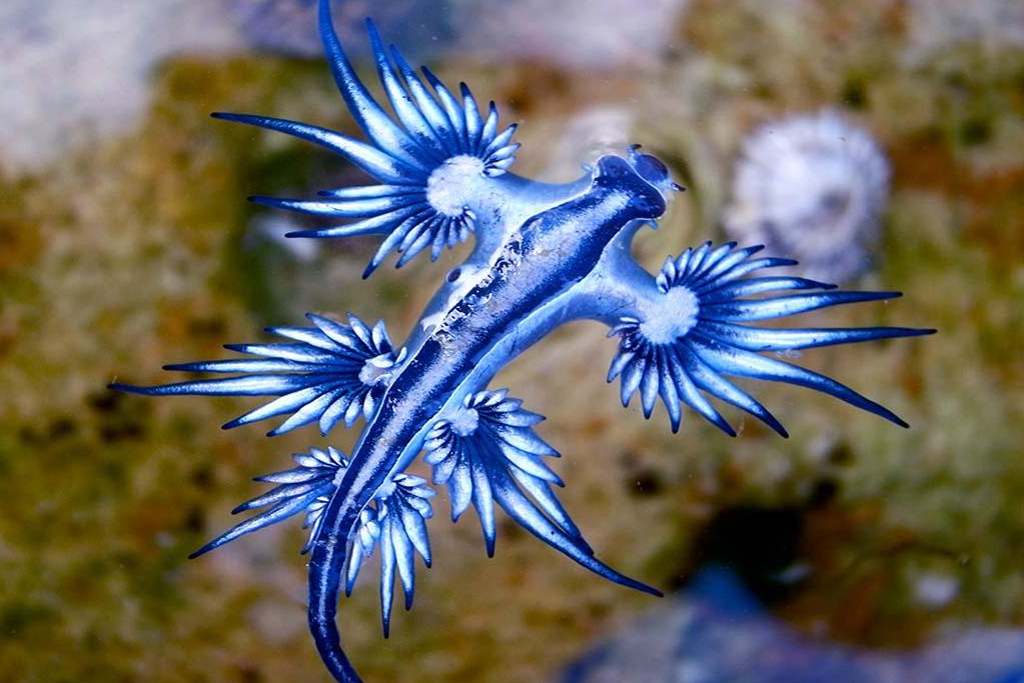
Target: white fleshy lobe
x=464 y=421
x=675 y=317
x=377 y=369
x=450 y=184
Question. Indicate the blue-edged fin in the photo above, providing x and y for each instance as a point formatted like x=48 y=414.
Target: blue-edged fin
x=396 y=522
x=697 y=336
x=320 y=375
x=300 y=489
x=431 y=126
x=486 y=452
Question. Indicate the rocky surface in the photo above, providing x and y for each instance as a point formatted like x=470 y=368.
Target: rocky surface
x=717 y=631
x=136 y=248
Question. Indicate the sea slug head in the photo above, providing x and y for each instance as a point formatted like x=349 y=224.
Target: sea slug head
x=654 y=171
x=643 y=176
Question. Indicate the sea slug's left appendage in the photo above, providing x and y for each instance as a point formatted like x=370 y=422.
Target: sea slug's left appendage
x=299 y=489
x=328 y=373
x=690 y=337
x=395 y=521
x=485 y=452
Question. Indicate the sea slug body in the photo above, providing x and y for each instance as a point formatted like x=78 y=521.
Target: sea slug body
x=544 y=255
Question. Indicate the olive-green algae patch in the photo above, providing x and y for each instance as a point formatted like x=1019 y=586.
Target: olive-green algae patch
x=141 y=251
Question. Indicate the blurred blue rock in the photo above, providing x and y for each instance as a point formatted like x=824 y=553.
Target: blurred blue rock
x=103 y=54
x=717 y=632
x=575 y=34
x=71 y=71
x=290 y=26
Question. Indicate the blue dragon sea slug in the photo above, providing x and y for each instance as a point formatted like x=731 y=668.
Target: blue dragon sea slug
x=544 y=255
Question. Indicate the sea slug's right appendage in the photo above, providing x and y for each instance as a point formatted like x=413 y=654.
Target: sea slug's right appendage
x=685 y=342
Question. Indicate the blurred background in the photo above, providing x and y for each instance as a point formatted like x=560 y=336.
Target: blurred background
x=880 y=141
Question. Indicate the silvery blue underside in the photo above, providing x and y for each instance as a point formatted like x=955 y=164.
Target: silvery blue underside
x=544 y=255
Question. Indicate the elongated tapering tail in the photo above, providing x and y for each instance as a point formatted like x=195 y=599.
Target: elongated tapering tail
x=326 y=566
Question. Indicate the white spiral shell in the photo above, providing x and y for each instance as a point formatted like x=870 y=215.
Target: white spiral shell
x=811 y=187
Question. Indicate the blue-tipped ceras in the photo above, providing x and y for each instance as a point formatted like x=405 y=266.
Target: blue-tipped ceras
x=544 y=255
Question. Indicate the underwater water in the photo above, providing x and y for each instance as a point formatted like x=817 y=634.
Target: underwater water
x=126 y=243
